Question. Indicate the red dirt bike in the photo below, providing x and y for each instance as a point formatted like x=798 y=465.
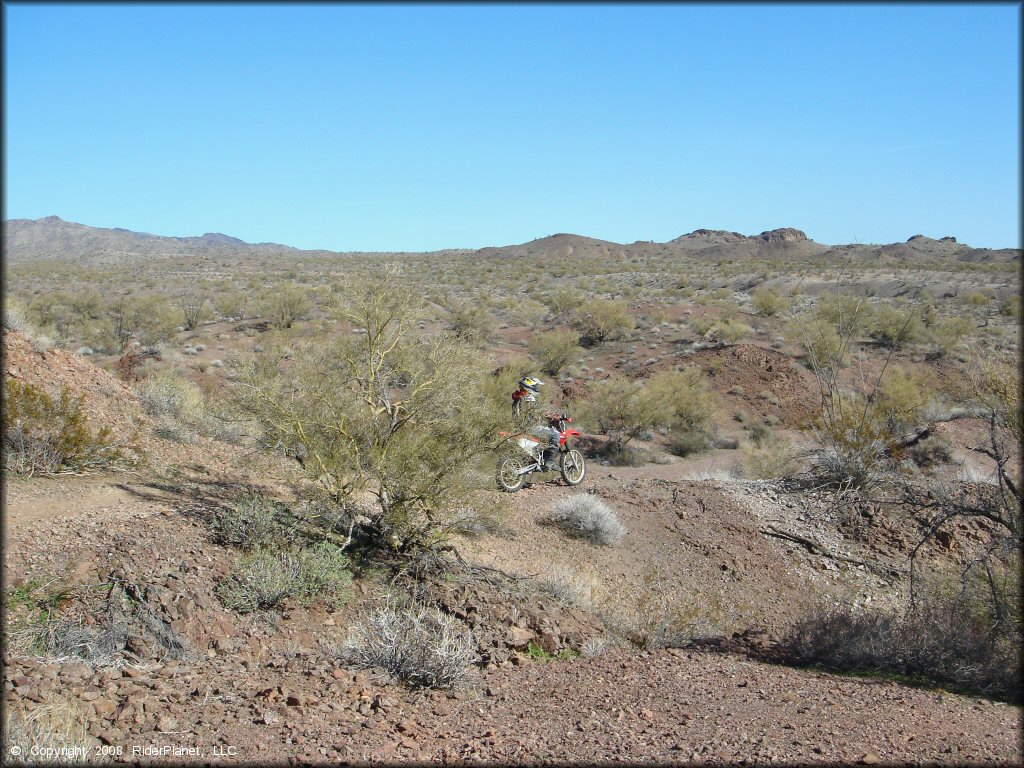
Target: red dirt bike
x=525 y=455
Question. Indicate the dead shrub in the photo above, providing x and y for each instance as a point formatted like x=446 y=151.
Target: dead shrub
x=586 y=516
x=419 y=645
x=53 y=733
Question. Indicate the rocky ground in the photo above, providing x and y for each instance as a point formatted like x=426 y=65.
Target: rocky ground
x=740 y=560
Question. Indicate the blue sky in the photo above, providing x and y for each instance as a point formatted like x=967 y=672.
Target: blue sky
x=407 y=127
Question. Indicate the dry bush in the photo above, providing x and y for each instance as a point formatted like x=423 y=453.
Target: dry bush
x=941 y=644
x=52 y=435
x=571 y=587
x=585 y=516
x=268 y=576
x=658 y=617
x=769 y=458
x=53 y=733
x=417 y=644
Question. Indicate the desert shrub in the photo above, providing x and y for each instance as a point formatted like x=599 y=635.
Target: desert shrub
x=16 y=316
x=570 y=586
x=193 y=308
x=770 y=457
x=658 y=617
x=902 y=398
x=825 y=349
x=169 y=395
x=472 y=322
x=53 y=733
x=946 y=335
x=768 y=302
x=618 y=454
x=419 y=645
x=855 y=443
x=935 y=643
x=283 y=307
x=602 y=320
x=686 y=442
x=250 y=523
x=896 y=328
x=1010 y=307
x=730 y=331
x=563 y=301
x=931 y=452
x=268 y=576
x=231 y=304
x=846 y=315
x=529 y=312
x=975 y=299
x=585 y=516
x=555 y=350
x=626 y=408
x=398 y=414
x=51 y=435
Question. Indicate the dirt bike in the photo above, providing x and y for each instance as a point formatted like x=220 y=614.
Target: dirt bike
x=524 y=455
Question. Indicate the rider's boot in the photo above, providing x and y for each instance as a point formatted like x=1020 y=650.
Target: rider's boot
x=551 y=458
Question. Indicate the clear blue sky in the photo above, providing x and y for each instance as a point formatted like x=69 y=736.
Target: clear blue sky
x=407 y=127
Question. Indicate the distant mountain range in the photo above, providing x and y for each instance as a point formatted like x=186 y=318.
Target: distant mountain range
x=54 y=238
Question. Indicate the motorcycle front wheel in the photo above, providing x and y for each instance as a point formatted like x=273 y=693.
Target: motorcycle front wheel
x=573 y=467
x=510 y=476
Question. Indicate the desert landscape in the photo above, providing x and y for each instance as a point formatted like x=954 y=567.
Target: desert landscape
x=251 y=513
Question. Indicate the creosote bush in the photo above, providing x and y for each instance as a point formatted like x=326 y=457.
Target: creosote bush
x=51 y=435
x=419 y=645
x=268 y=576
x=586 y=516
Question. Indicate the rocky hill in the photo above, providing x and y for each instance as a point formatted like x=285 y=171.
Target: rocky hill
x=54 y=238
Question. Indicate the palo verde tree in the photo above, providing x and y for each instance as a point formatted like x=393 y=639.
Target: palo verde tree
x=389 y=410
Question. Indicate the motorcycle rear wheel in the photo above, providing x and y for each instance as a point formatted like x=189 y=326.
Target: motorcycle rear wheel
x=573 y=467
x=509 y=476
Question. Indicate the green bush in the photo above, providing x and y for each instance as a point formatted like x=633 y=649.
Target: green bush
x=685 y=442
x=268 y=576
x=892 y=327
x=248 y=524
x=555 y=350
x=51 y=435
x=602 y=320
x=768 y=302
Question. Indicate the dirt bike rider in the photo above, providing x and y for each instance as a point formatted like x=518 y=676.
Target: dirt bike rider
x=526 y=411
